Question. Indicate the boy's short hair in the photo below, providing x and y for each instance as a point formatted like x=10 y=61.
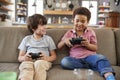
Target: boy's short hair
x=35 y=20
x=82 y=11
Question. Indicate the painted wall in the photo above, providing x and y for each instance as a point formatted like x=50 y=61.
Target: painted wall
x=113 y=7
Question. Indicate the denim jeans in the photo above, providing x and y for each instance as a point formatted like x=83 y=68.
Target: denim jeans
x=95 y=62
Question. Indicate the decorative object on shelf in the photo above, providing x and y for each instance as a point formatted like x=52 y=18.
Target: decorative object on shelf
x=3 y=17
x=50 y=4
x=63 y=5
x=80 y=2
x=116 y=2
x=71 y=6
x=103 y=10
x=58 y=6
x=21 y=11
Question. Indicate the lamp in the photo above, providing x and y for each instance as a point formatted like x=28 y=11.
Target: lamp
x=90 y=5
x=34 y=5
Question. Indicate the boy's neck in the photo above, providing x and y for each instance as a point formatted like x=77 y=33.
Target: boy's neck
x=79 y=33
x=37 y=37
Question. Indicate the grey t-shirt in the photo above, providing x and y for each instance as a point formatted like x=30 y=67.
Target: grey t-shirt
x=44 y=45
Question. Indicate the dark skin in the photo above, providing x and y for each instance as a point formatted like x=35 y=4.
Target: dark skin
x=80 y=23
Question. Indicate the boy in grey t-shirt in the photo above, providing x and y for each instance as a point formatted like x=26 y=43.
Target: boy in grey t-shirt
x=37 y=51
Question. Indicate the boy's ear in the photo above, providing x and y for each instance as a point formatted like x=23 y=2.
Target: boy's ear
x=72 y=20
x=88 y=21
x=33 y=30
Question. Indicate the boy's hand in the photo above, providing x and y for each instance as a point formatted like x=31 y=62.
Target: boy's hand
x=27 y=57
x=43 y=57
x=85 y=42
x=67 y=42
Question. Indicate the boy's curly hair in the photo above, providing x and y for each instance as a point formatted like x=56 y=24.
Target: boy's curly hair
x=82 y=11
x=35 y=20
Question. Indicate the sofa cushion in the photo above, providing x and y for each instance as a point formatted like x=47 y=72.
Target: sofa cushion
x=14 y=67
x=106 y=44
x=117 y=40
x=57 y=34
x=10 y=38
x=57 y=73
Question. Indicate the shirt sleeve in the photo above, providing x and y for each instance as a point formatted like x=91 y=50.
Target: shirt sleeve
x=22 y=45
x=93 y=38
x=52 y=45
x=67 y=35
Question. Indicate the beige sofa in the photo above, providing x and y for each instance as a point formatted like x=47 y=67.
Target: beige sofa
x=10 y=37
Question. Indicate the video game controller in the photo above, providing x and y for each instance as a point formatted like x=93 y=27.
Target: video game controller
x=35 y=55
x=74 y=41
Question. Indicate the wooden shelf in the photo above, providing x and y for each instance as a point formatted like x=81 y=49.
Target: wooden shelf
x=50 y=12
x=4 y=9
x=20 y=14
x=6 y=2
x=104 y=6
x=103 y=11
x=22 y=4
x=102 y=17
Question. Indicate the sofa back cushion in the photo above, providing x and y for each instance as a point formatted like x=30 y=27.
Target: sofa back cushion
x=117 y=41
x=10 y=38
x=57 y=34
x=106 y=44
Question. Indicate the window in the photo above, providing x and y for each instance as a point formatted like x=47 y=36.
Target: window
x=32 y=9
x=92 y=6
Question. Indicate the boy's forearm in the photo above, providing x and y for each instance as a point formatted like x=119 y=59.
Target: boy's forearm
x=20 y=58
x=92 y=47
x=61 y=44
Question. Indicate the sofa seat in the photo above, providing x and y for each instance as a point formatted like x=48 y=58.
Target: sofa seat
x=9 y=67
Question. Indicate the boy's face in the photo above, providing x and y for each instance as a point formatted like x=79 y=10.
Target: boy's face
x=80 y=22
x=41 y=30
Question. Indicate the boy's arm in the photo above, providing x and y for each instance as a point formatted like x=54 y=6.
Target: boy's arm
x=63 y=43
x=51 y=58
x=92 y=47
x=24 y=57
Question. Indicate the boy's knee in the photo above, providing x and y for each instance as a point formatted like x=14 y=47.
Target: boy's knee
x=101 y=57
x=26 y=65
x=42 y=64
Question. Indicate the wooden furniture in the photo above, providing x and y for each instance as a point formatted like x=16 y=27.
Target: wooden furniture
x=4 y=6
x=51 y=12
x=112 y=19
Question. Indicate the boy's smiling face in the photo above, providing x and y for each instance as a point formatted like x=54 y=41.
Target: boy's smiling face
x=80 y=22
x=41 y=30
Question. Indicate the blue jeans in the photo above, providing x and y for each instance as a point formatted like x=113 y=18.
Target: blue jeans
x=95 y=62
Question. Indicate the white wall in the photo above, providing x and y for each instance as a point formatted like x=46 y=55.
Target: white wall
x=113 y=7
